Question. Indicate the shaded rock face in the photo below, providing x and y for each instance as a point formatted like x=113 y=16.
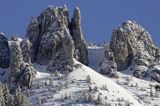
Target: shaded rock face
x=49 y=31
x=108 y=65
x=76 y=32
x=26 y=50
x=129 y=40
x=21 y=73
x=4 y=52
x=33 y=35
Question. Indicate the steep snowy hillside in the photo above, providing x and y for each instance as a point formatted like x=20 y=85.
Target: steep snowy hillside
x=142 y=89
x=82 y=86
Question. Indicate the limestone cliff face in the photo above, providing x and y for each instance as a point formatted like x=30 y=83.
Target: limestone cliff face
x=4 y=52
x=50 y=30
x=130 y=40
x=76 y=32
x=133 y=47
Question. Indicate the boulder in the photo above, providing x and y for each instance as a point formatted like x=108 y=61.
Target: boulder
x=4 y=52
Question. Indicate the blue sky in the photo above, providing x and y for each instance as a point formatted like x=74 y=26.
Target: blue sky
x=99 y=17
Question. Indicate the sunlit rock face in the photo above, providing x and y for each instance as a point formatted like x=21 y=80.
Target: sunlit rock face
x=130 y=41
x=81 y=52
x=132 y=46
x=4 y=52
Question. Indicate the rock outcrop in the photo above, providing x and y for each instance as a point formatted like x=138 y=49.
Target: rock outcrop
x=21 y=73
x=16 y=56
x=108 y=65
x=26 y=50
x=131 y=41
x=33 y=35
x=50 y=30
x=4 y=52
x=76 y=32
x=133 y=47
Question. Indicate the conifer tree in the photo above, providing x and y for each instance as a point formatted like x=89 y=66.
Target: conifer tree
x=20 y=99
x=7 y=96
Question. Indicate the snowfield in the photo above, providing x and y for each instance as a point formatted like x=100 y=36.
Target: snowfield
x=76 y=86
x=114 y=90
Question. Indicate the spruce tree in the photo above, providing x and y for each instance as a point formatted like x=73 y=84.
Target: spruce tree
x=1 y=96
x=99 y=100
x=7 y=96
x=20 y=99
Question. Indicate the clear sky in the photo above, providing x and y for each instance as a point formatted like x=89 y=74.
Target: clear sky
x=99 y=17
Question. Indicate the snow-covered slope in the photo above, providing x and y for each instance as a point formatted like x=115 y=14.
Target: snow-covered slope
x=114 y=91
x=48 y=89
x=143 y=90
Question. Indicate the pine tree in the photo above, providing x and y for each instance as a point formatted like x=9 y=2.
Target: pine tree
x=20 y=99
x=99 y=100
x=88 y=79
x=7 y=96
x=1 y=96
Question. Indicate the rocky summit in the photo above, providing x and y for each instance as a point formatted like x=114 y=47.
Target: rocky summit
x=53 y=32
x=52 y=39
x=133 y=47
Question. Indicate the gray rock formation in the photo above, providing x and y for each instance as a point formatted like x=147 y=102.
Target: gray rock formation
x=63 y=59
x=33 y=35
x=129 y=39
x=26 y=50
x=108 y=65
x=133 y=48
x=27 y=74
x=16 y=57
x=81 y=52
x=21 y=73
x=4 y=52
x=49 y=31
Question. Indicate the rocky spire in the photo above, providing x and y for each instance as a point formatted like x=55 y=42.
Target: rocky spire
x=81 y=53
x=48 y=31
